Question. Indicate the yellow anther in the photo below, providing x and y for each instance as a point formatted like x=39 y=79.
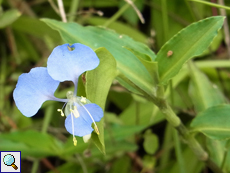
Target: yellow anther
x=60 y=110
x=83 y=99
x=74 y=141
x=75 y=112
x=96 y=130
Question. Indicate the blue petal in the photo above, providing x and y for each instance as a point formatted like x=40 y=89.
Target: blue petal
x=66 y=65
x=82 y=124
x=33 y=89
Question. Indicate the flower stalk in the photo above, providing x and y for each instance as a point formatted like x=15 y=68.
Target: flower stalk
x=189 y=138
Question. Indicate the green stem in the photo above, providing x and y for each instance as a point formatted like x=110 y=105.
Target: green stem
x=117 y=14
x=165 y=19
x=35 y=166
x=224 y=158
x=212 y=4
x=48 y=116
x=171 y=92
x=73 y=9
x=175 y=121
x=137 y=113
x=45 y=125
x=178 y=152
x=190 y=10
x=164 y=159
x=170 y=116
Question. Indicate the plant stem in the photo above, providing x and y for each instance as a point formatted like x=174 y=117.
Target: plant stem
x=212 y=4
x=165 y=19
x=224 y=158
x=73 y=9
x=62 y=10
x=48 y=116
x=45 y=125
x=175 y=121
x=35 y=166
x=117 y=14
x=137 y=113
x=164 y=159
x=178 y=152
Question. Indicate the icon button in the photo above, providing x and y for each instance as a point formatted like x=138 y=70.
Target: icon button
x=9 y=160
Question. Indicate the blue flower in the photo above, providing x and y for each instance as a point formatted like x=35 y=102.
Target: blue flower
x=66 y=63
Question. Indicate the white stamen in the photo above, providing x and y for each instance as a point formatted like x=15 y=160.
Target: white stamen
x=86 y=138
x=95 y=125
x=74 y=139
x=75 y=112
x=60 y=110
x=83 y=99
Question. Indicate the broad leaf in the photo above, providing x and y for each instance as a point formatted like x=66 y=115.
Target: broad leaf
x=150 y=142
x=187 y=43
x=127 y=63
x=30 y=143
x=204 y=94
x=9 y=17
x=149 y=64
x=213 y=122
x=98 y=82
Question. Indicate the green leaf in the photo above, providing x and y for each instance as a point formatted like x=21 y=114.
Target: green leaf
x=188 y=43
x=119 y=27
x=213 y=122
x=150 y=142
x=98 y=82
x=127 y=63
x=121 y=165
x=30 y=143
x=9 y=17
x=116 y=136
x=148 y=114
x=204 y=94
x=35 y=27
x=148 y=62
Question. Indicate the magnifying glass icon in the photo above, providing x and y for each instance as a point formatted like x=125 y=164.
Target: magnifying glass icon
x=9 y=160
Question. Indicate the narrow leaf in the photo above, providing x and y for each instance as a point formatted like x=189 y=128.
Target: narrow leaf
x=188 y=43
x=127 y=63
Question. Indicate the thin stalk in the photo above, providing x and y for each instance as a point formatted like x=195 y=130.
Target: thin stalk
x=226 y=28
x=190 y=10
x=137 y=113
x=166 y=36
x=45 y=125
x=35 y=166
x=48 y=115
x=82 y=163
x=62 y=10
x=165 y=19
x=178 y=152
x=171 y=92
x=212 y=4
x=73 y=9
x=164 y=159
x=117 y=15
x=224 y=159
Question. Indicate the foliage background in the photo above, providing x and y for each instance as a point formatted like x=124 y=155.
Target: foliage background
x=137 y=137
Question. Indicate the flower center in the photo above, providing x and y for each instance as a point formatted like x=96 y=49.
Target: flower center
x=72 y=110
